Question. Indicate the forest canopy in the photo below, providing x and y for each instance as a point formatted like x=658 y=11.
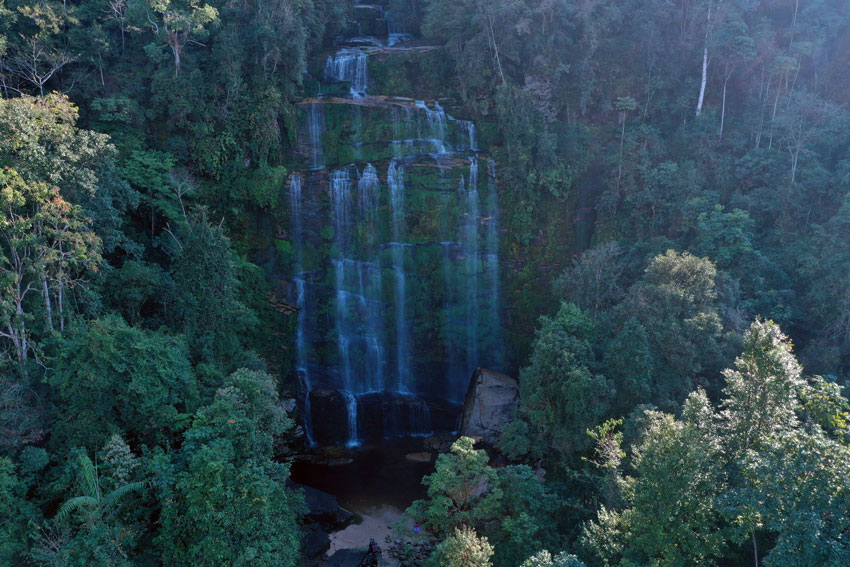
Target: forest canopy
x=662 y=216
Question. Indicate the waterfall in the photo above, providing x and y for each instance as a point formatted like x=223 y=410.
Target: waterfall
x=468 y=128
x=350 y=65
x=435 y=120
x=414 y=417
x=296 y=221
x=358 y=288
x=403 y=144
x=351 y=410
x=340 y=188
x=369 y=285
x=394 y=38
x=368 y=191
x=469 y=238
x=316 y=126
x=398 y=291
x=301 y=370
x=395 y=180
x=423 y=129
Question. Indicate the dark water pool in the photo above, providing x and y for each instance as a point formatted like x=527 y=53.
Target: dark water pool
x=379 y=475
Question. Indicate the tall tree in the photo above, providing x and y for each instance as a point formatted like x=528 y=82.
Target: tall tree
x=44 y=144
x=48 y=247
x=241 y=510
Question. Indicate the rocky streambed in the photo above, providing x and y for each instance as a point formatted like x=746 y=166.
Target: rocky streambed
x=358 y=494
x=361 y=494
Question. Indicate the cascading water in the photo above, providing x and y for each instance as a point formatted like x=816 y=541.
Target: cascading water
x=470 y=239
x=340 y=187
x=349 y=66
x=358 y=288
x=435 y=121
x=396 y=278
x=395 y=180
x=351 y=406
x=316 y=126
x=301 y=370
x=468 y=127
x=301 y=361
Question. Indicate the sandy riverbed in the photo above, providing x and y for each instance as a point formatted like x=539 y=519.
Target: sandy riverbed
x=377 y=524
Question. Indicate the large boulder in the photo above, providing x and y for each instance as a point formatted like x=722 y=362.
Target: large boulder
x=323 y=508
x=490 y=403
x=347 y=557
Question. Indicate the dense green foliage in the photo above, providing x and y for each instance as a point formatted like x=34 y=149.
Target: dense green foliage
x=125 y=321
x=509 y=505
x=715 y=482
x=674 y=180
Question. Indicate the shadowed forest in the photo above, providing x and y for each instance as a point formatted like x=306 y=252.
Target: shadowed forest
x=244 y=235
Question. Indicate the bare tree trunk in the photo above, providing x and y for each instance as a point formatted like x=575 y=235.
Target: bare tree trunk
x=704 y=80
x=622 y=140
x=704 y=64
x=755 y=549
x=761 y=114
x=723 y=111
x=496 y=49
x=727 y=74
x=47 y=307
x=795 y=152
x=773 y=116
x=61 y=305
x=793 y=24
x=174 y=43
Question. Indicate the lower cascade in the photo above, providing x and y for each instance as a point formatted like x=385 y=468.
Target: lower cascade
x=394 y=261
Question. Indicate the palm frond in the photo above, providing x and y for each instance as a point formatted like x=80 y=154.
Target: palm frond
x=119 y=493
x=89 y=477
x=73 y=504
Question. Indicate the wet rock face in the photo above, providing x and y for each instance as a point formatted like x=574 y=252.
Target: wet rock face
x=370 y=18
x=490 y=404
x=330 y=421
x=379 y=415
x=383 y=413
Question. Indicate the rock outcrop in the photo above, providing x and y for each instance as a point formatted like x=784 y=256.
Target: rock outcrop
x=490 y=403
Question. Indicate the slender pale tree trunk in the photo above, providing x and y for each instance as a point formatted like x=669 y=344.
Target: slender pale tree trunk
x=773 y=115
x=761 y=113
x=704 y=64
x=622 y=140
x=60 y=295
x=726 y=76
x=496 y=56
x=795 y=152
x=755 y=549
x=47 y=306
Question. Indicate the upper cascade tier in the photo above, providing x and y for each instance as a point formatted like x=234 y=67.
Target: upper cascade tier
x=338 y=131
